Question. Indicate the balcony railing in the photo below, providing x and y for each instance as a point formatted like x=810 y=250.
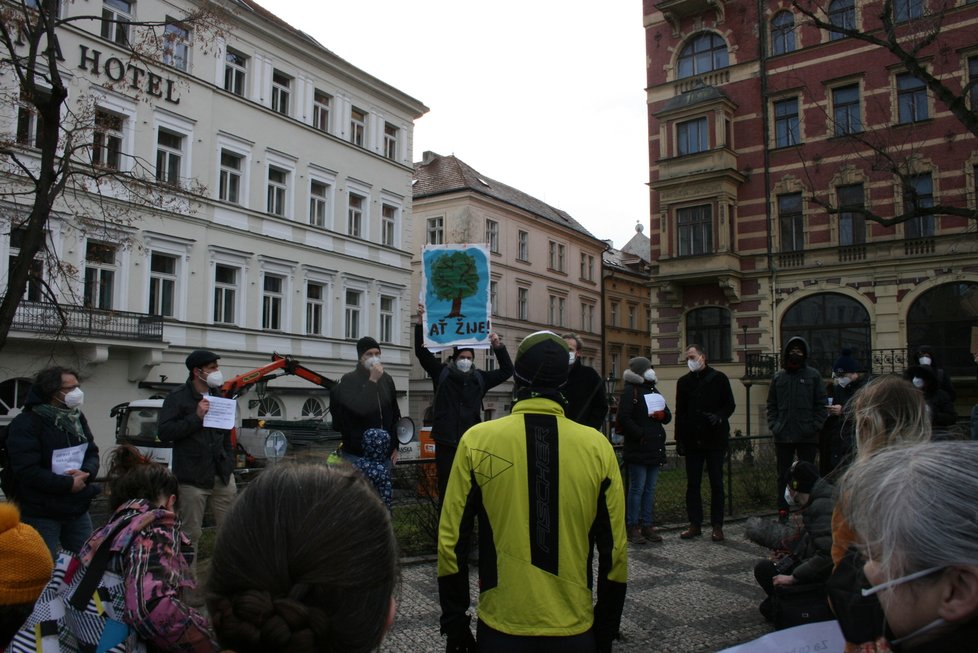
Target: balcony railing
x=81 y=321
x=881 y=361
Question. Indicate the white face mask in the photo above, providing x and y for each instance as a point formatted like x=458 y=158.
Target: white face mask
x=937 y=623
x=843 y=381
x=463 y=364
x=74 y=398
x=571 y=357
x=789 y=497
x=649 y=376
x=924 y=360
x=373 y=361
x=694 y=365
x=215 y=379
x=918 y=383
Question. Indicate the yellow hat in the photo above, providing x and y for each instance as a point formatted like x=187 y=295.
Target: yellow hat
x=27 y=563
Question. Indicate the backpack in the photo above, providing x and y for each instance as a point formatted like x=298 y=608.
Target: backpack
x=7 y=481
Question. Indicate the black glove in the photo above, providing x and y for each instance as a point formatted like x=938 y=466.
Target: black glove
x=680 y=449
x=462 y=642
x=713 y=418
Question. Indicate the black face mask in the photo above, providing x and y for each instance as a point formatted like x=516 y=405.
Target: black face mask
x=861 y=618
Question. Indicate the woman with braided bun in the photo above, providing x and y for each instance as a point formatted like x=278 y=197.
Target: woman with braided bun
x=305 y=561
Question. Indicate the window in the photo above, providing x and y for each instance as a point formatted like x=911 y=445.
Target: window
x=613 y=314
x=99 y=274
x=852 y=224
x=225 y=291
x=904 y=10
x=632 y=318
x=354 y=216
x=352 y=314
x=29 y=127
x=315 y=308
x=842 y=14
x=492 y=236
x=162 y=284
x=35 y=280
x=692 y=137
x=787 y=127
x=782 y=33
x=829 y=322
x=229 y=186
x=318 y=203
x=107 y=140
x=557 y=305
x=390 y=141
x=695 y=226
x=523 y=303
x=387 y=305
x=278 y=188
x=358 y=126
x=792 y=222
x=710 y=327
x=973 y=81
x=235 y=67
x=845 y=110
x=587 y=266
x=523 y=249
x=266 y=407
x=388 y=225
x=116 y=16
x=176 y=49
x=911 y=99
x=271 y=305
x=281 y=92
x=615 y=357
x=704 y=53
x=436 y=231
x=314 y=408
x=587 y=317
x=494 y=297
x=557 y=256
x=919 y=194
x=169 y=156
x=320 y=110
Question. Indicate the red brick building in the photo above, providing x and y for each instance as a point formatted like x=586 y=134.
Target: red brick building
x=770 y=140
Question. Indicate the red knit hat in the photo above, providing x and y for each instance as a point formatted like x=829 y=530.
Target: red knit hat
x=27 y=563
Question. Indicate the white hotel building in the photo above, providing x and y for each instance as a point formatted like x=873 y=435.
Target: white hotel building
x=298 y=243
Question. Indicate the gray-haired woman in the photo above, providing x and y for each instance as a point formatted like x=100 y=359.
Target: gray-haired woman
x=914 y=512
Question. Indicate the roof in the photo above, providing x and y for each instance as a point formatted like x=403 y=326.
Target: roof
x=440 y=175
x=636 y=255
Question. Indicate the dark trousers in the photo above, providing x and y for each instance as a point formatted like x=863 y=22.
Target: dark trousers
x=695 y=460
x=785 y=454
x=493 y=641
x=444 y=457
x=764 y=573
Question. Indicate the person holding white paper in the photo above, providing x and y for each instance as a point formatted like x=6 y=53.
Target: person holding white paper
x=642 y=413
x=55 y=461
x=203 y=459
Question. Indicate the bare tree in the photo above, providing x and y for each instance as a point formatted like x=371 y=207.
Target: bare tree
x=58 y=161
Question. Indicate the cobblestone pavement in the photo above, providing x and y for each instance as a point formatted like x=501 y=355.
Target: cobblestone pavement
x=684 y=596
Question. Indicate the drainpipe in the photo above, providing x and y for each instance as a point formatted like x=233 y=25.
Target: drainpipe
x=766 y=132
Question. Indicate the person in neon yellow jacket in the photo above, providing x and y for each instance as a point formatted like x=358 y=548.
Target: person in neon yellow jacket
x=546 y=491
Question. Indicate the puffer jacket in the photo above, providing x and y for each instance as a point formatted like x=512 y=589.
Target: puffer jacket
x=796 y=400
x=816 y=546
x=645 y=439
x=199 y=454
x=31 y=441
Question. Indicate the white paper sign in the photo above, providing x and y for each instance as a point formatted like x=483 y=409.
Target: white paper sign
x=68 y=458
x=655 y=402
x=820 y=637
x=221 y=413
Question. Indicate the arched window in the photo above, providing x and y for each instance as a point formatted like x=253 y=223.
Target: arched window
x=842 y=13
x=829 y=322
x=943 y=318
x=13 y=392
x=710 y=328
x=268 y=407
x=782 y=33
x=313 y=408
x=702 y=54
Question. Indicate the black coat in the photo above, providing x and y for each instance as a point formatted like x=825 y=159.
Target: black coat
x=645 y=439
x=586 y=400
x=706 y=391
x=199 y=454
x=457 y=405
x=358 y=404
x=41 y=492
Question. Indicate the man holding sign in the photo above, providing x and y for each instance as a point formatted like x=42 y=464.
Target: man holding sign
x=203 y=460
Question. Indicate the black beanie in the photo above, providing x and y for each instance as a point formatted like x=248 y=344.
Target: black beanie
x=458 y=350
x=845 y=363
x=541 y=361
x=365 y=343
x=802 y=476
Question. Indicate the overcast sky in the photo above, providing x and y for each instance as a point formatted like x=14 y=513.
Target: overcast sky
x=546 y=96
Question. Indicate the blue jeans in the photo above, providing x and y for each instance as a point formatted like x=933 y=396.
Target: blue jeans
x=70 y=534
x=641 y=494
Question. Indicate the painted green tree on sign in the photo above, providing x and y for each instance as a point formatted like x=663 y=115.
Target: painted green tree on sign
x=455 y=277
